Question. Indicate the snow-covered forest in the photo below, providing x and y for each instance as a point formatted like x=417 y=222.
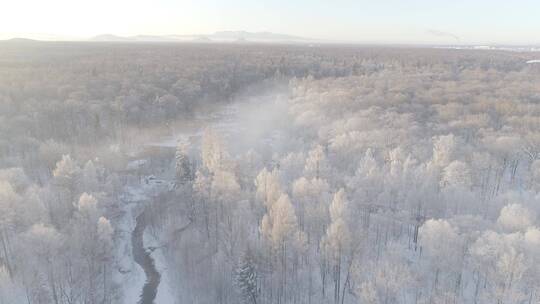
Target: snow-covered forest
x=229 y=173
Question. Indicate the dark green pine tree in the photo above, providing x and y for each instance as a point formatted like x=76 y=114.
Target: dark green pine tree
x=246 y=279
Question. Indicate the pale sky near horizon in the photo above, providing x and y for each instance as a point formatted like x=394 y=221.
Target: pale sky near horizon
x=382 y=21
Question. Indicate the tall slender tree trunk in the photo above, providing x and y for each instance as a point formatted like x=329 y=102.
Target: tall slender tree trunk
x=5 y=249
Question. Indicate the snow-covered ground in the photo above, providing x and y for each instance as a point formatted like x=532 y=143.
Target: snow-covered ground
x=130 y=274
x=165 y=292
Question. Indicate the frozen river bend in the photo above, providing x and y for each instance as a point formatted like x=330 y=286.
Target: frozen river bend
x=231 y=121
x=145 y=260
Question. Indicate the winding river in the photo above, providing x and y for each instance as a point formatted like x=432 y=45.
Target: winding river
x=229 y=121
x=145 y=260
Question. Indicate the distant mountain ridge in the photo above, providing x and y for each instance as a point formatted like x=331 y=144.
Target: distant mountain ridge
x=221 y=36
x=18 y=40
x=255 y=36
x=110 y=37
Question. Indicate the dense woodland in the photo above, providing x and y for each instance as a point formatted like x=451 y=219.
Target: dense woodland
x=354 y=175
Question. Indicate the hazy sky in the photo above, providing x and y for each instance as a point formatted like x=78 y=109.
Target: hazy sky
x=399 y=21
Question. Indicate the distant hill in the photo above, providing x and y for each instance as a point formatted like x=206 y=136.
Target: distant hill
x=21 y=40
x=222 y=36
x=202 y=39
x=151 y=38
x=256 y=37
x=111 y=38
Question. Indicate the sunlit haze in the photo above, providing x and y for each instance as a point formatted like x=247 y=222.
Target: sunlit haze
x=269 y=152
x=385 y=21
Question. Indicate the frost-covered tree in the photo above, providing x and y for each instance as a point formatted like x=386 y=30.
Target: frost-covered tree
x=66 y=173
x=182 y=165
x=444 y=149
x=214 y=155
x=268 y=188
x=337 y=243
x=502 y=267
x=367 y=181
x=445 y=258
x=246 y=279
x=66 y=179
x=516 y=217
x=389 y=280
x=89 y=177
x=280 y=227
x=8 y=214
x=317 y=165
x=456 y=174
x=42 y=269
x=311 y=199
x=105 y=233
